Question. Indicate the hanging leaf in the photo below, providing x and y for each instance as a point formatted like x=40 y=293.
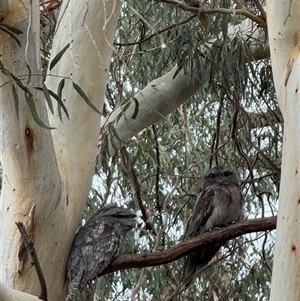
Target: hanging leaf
x=57 y=98
x=58 y=56
x=48 y=98
x=60 y=101
x=29 y=72
x=60 y=88
x=126 y=106
x=18 y=82
x=114 y=132
x=31 y=105
x=85 y=98
x=15 y=79
x=136 y=109
x=12 y=35
x=16 y=98
x=119 y=116
x=59 y=94
x=10 y=30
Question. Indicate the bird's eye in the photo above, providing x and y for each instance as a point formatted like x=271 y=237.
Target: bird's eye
x=227 y=174
x=212 y=176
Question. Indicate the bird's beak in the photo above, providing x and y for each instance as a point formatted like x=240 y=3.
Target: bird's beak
x=221 y=180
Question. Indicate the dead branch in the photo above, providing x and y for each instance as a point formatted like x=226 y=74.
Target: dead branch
x=30 y=248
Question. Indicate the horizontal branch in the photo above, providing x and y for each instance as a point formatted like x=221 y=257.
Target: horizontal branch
x=186 y=247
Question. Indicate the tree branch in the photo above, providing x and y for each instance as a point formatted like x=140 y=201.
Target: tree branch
x=9 y=294
x=165 y=94
x=198 y=10
x=186 y=247
x=30 y=248
x=136 y=188
x=156 y=33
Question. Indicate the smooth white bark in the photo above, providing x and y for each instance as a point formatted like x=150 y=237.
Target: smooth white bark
x=165 y=94
x=284 y=33
x=159 y=98
x=55 y=176
x=90 y=28
x=29 y=169
x=9 y=294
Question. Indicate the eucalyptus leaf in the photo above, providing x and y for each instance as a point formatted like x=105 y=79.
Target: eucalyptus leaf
x=136 y=108
x=59 y=94
x=57 y=98
x=57 y=58
x=85 y=98
x=11 y=35
x=10 y=28
x=32 y=107
x=16 y=98
x=48 y=98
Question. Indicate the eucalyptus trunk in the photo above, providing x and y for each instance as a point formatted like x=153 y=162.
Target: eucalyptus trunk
x=284 y=35
x=46 y=173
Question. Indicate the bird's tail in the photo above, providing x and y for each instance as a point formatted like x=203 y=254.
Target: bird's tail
x=195 y=263
x=72 y=289
x=189 y=270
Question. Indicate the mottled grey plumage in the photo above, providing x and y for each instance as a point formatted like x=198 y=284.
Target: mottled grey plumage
x=219 y=204
x=96 y=244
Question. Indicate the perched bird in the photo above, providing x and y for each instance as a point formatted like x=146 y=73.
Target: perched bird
x=96 y=244
x=219 y=204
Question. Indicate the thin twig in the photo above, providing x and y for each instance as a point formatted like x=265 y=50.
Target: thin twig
x=156 y=33
x=136 y=188
x=138 y=285
x=239 y=11
x=248 y=136
x=177 y=292
x=261 y=9
x=157 y=176
x=159 y=237
x=30 y=248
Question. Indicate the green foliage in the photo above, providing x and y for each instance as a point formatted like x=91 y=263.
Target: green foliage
x=84 y=97
x=11 y=31
x=57 y=58
x=234 y=121
x=26 y=93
